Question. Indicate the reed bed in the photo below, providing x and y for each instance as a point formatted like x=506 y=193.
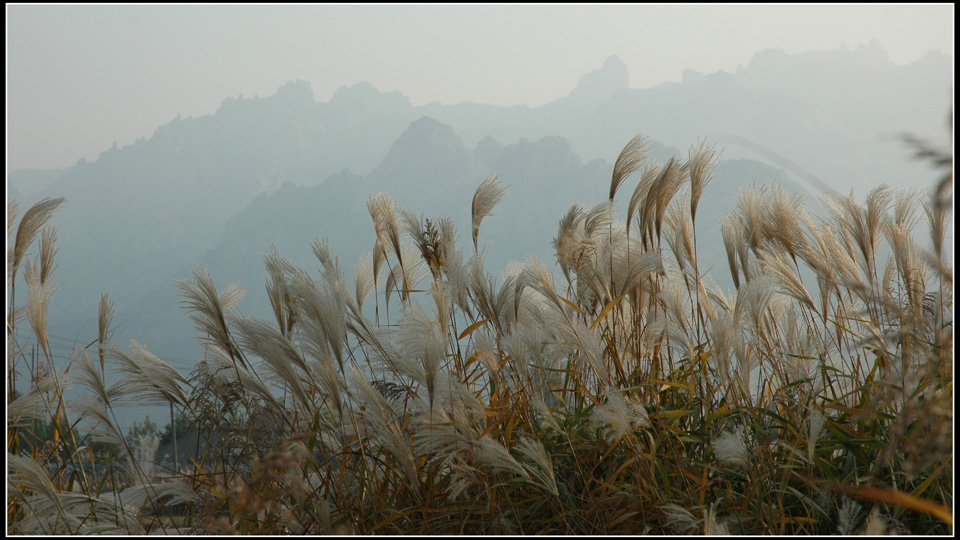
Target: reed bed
x=625 y=394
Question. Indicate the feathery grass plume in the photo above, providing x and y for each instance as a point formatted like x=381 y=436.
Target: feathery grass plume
x=702 y=159
x=815 y=424
x=107 y=309
x=284 y=362
x=630 y=159
x=489 y=453
x=440 y=291
x=32 y=404
x=910 y=264
x=48 y=250
x=485 y=198
x=580 y=341
x=640 y=193
x=777 y=264
x=667 y=183
x=363 y=278
x=170 y=492
x=541 y=280
x=571 y=243
x=384 y=215
x=730 y=447
x=712 y=527
x=754 y=297
x=407 y=277
x=674 y=297
x=146 y=377
x=144 y=455
x=38 y=298
x=876 y=524
x=542 y=469
x=12 y=208
x=780 y=221
x=619 y=415
x=681 y=241
x=31 y=223
x=30 y=484
x=331 y=266
x=422 y=338
x=322 y=312
x=752 y=213
x=679 y=519
x=937 y=220
x=861 y=226
x=208 y=310
x=277 y=291
x=229 y=375
x=732 y=237
x=383 y=419
x=92 y=379
x=848 y=517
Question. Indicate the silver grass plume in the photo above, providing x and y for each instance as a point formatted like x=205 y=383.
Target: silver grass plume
x=781 y=219
x=630 y=159
x=422 y=338
x=227 y=373
x=619 y=416
x=681 y=239
x=12 y=208
x=712 y=527
x=33 y=404
x=146 y=377
x=280 y=356
x=383 y=419
x=702 y=159
x=38 y=298
x=363 y=278
x=491 y=454
x=776 y=263
x=732 y=237
x=208 y=310
x=485 y=198
x=107 y=309
x=48 y=250
x=640 y=192
x=669 y=179
x=322 y=311
x=404 y=278
x=277 y=291
x=31 y=223
x=383 y=212
x=679 y=519
x=730 y=447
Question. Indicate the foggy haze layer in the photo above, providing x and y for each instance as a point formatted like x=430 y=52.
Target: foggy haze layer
x=81 y=78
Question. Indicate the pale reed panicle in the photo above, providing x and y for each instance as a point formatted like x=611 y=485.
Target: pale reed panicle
x=702 y=160
x=631 y=158
x=30 y=224
x=485 y=198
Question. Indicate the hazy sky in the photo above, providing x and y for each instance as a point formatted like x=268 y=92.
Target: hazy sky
x=80 y=78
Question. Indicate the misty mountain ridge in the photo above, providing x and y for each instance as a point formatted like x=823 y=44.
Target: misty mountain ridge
x=219 y=189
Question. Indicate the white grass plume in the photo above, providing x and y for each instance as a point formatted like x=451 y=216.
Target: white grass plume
x=702 y=159
x=146 y=377
x=31 y=223
x=485 y=198
x=730 y=447
x=619 y=416
x=631 y=158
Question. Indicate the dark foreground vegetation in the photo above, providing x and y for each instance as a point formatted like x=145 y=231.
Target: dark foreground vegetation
x=631 y=395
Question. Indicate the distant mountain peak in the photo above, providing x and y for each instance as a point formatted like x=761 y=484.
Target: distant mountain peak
x=601 y=84
x=297 y=90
